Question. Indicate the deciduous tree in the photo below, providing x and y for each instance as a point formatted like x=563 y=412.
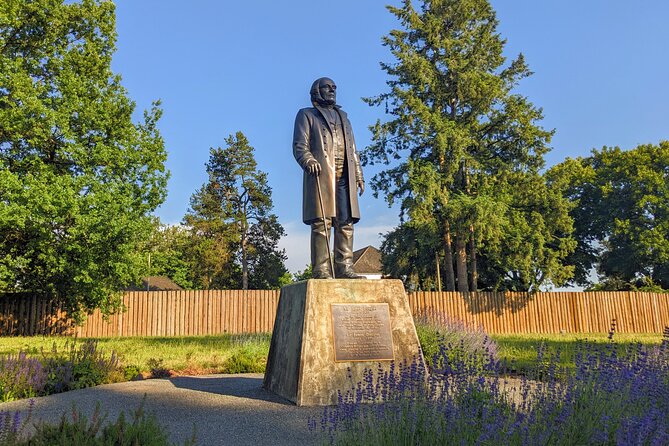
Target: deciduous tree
x=78 y=178
x=621 y=214
x=167 y=253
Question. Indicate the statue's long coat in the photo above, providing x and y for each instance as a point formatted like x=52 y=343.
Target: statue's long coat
x=312 y=139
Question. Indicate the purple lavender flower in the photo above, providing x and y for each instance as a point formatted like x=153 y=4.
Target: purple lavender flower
x=610 y=397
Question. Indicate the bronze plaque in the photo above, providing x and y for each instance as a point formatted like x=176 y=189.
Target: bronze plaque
x=361 y=332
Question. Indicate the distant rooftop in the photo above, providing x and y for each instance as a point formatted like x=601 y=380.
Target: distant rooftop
x=367 y=261
x=155 y=283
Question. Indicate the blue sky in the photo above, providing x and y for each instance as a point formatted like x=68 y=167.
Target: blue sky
x=223 y=66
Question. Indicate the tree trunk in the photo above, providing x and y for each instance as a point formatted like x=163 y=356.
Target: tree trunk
x=436 y=258
x=448 y=258
x=245 y=265
x=474 y=278
x=461 y=263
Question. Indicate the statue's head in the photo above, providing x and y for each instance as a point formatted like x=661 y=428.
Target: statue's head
x=324 y=92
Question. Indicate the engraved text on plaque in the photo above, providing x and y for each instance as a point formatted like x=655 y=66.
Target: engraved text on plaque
x=362 y=332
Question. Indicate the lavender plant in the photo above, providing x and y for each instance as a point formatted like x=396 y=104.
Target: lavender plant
x=21 y=377
x=12 y=425
x=465 y=341
x=80 y=365
x=91 y=367
x=610 y=398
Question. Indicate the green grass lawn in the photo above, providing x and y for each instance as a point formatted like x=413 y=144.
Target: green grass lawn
x=521 y=350
x=193 y=354
x=229 y=353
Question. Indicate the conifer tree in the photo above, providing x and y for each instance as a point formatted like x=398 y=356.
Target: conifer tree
x=459 y=143
x=232 y=214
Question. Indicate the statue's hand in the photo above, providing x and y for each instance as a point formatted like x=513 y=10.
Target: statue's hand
x=314 y=168
x=361 y=187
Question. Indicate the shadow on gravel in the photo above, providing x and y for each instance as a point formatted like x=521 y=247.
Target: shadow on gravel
x=242 y=386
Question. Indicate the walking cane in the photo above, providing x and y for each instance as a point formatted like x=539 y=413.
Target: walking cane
x=327 y=232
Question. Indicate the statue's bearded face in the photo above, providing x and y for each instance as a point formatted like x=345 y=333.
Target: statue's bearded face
x=328 y=91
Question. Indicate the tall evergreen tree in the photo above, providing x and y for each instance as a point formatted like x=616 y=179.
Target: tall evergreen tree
x=211 y=248
x=78 y=179
x=236 y=207
x=459 y=143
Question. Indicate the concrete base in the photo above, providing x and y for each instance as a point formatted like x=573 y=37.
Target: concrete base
x=303 y=366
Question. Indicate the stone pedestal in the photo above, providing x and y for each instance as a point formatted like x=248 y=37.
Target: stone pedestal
x=326 y=330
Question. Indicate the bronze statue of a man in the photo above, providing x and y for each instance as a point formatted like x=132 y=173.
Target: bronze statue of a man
x=324 y=148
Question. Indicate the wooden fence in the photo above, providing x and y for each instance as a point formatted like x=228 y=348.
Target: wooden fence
x=181 y=313
x=563 y=312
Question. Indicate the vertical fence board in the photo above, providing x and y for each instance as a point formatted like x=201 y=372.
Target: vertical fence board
x=535 y=313
x=210 y=312
x=252 y=311
x=137 y=319
x=204 y=301
x=264 y=316
x=165 y=313
x=169 y=304
x=160 y=313
x=275 y=304
x=216 y=312
x=226 y=312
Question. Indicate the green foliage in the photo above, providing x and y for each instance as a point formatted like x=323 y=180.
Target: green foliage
x=305 y=274
x=131 y=372
x=13 y=427
x=165 y=253
x=142 y=429
x=407 y=253
x=286 y=279
x=248 y=354
x=267 y=270
x=157 y=369
x=463 y=154
x=611 y=396
x=91 y=366
x=244 y=361
x=183 y=354
x=519 y=352
x=621 y=215
x=235 y=235
x=77 y=177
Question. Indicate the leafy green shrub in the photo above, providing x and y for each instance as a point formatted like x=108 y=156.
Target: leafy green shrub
x=245 y=361
x=131 y=372
x=248 y=353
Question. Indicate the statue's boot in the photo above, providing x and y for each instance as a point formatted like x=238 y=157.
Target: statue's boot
x=320 y=260
x=343 y=250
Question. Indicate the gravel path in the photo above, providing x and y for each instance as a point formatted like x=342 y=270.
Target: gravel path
x=225 y=409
